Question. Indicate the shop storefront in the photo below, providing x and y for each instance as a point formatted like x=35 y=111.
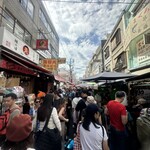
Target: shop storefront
x=20 y=64
x=137 y=42
x=139 y=88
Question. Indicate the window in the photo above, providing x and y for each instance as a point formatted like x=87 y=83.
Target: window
x=146 y=38
x=28 y=6
x=12 y=24
x=43 y=18
x=120 y=62
x=19 y=31
x=106 y=52
x=116 y=40
x=9 y=20
x=118 y=36
x=46 y=24
x=24 y=3
x=30 y=9
x=22 y=33
x=27 y=38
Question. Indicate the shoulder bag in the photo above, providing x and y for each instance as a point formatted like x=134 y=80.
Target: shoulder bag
x=48 y=139
x=77 y=143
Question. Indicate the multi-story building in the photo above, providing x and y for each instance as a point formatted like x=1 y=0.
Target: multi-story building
x=107 y=55
x=119 y=62
x=137 y=36
x=95 y=65
x=113 y=50
x=22 y=22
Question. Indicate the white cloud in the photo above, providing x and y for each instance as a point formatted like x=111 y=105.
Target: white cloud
x=78 y=23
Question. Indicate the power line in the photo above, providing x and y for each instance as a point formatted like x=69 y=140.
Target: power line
x=96 y=2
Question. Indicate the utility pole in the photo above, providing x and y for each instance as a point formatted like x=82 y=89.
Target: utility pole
x=71 y=67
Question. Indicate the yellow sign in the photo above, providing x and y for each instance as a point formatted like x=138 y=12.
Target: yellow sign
x=50 y=64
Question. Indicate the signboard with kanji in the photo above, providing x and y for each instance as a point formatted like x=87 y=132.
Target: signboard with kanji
x=50 y=64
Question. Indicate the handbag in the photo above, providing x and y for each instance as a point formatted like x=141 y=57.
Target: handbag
x=48 y=139
x=77 y=143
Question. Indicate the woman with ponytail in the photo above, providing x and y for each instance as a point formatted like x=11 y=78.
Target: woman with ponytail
x=92 y=133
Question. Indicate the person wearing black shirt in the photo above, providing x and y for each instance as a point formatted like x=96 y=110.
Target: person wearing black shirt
x=81 y=104
x=26 y=106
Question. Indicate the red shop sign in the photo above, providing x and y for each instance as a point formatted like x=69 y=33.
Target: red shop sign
x=42 y=44
x=15 y=67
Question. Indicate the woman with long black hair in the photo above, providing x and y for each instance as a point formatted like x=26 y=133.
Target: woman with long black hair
x=92 y=133
x=48 y=126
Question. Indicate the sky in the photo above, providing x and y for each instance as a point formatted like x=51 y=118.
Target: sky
x=81 y=27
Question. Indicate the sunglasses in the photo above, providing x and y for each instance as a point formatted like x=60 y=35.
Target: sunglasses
x=37 y=102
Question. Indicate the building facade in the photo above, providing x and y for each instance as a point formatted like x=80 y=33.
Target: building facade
x=119 y=62
x=107 y=54
x=22 y=22
x=95 y=65
x=31 y=23
x=137 y=37
x=127 y=48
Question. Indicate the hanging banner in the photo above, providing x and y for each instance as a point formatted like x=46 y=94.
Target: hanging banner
x=42 y=44
x=50 y=64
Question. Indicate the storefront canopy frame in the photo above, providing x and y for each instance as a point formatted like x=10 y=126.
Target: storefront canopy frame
x=24 y=62
x=109 y=76
x=59 y=78
x=140 y=77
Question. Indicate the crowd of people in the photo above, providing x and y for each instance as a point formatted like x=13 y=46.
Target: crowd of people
x=50 y=120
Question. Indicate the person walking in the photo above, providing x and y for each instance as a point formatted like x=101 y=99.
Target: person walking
x=92 y=134
x=19 y=133
x=63 y=118
x=12 y=111
x=57 y=100
x=74 y=104
x=47 y=126
x=118 y=119
x=81 y=105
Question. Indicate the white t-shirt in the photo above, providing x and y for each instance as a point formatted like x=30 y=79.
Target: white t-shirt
x=75 y=101
x=92 y=140
x=53 y=121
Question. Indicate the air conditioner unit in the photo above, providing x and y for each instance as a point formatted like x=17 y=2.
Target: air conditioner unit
x=146 y=38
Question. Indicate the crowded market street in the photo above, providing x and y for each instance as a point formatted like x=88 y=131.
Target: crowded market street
x=74 y=74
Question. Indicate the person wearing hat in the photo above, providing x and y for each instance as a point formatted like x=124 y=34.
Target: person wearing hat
x=90 y=100
x=41 y=94
x=19 y=133
x=93 y=135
